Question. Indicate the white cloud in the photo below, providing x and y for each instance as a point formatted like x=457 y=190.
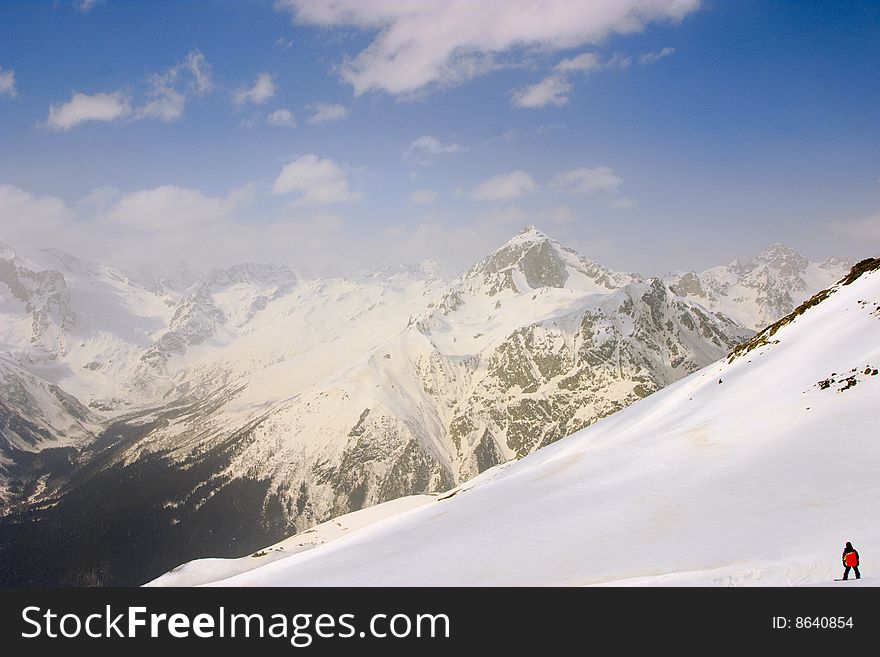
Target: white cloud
x=159 y=226
x=316 y=181
x=25 y=215
x=83 y=107
x=434 y=43
x=166 y=103
x=281 y=117
x=200 y=70
x=326 y=113
x=167 y=96
x=652 y=57
x=552 y=90
x=617 y=61
x=171 y=208
x=507 y=135
x=597 y=180
x=163 y=225
x=583 y=63
x=86 y=6
x=544 y=129
x=588 y=181
x=7 y=83
x=101 y=197
x=283 y=44
x=425 y=148
x=555 y=88
x=504 y=187
x=262 y=90
x=423 y=197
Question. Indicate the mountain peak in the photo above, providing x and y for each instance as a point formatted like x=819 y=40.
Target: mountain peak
x=252 y=272
x=530 y=233
x=531 y=260
x=531 y=228
x=778 y=256
x=532 y=254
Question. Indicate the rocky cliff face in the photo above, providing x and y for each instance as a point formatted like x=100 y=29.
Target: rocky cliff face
x=549 y=379
x=44 y=304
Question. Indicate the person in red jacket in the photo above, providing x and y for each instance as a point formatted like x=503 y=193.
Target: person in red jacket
x=850 y=559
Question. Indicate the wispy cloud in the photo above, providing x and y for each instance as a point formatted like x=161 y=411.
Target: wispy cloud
x=507 y=135
x=282 y=118
x=552 y=90
x=85 y=6
x=438 y=43
x=596 y=180
x=424 y=149
x=588 y=181
x=617 y=61
x=258 y=93
x=556 y=87
x=326 y=113
x=167 y=95
x=7 y=83
x=314 y=181
x=170 y=90
x=583 y=63
x=652 y=57
x=504 y=187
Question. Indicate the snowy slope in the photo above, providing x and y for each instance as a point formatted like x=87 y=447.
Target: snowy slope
x=755 y=469
x=204 y=571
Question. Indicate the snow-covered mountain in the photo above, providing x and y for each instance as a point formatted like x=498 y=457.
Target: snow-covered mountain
x=759 y=292
x=79 y=325
x=752 y=471
x=239 y=406
x=437 y=402
x=42 y=427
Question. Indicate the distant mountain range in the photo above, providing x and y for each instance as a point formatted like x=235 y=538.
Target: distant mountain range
x=751 y=472
x=149 y=418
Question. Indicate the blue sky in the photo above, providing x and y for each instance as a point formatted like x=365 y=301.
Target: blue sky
x=649 y=134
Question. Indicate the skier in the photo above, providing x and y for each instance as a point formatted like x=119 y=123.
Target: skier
x=850 y=559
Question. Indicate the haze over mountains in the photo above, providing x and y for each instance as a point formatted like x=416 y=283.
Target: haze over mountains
x=149 y=418
x=752 y=471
